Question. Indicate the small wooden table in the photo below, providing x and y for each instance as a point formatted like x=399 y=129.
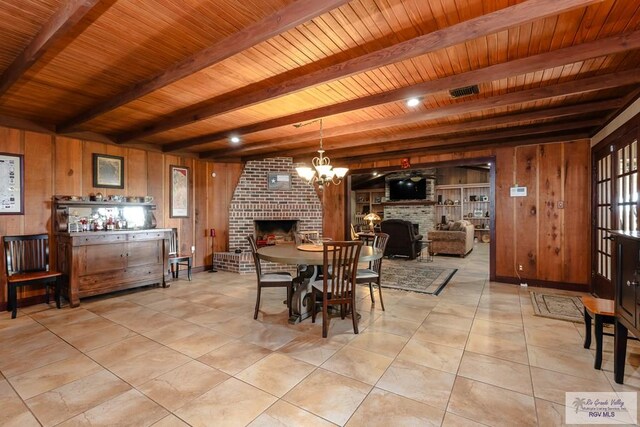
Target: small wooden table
x=602 y=311
x=290 y=254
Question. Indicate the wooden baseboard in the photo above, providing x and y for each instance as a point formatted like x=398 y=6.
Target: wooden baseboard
x=534 y=283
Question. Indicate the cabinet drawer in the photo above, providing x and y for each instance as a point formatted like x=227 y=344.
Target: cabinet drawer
x=99 y=283
x=147 y=235
x=99 y=239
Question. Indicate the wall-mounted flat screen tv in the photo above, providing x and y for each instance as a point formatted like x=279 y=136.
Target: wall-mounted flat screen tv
x=407 y=189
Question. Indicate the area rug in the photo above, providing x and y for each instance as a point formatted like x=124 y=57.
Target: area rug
x=561 y=307
x=415 y=276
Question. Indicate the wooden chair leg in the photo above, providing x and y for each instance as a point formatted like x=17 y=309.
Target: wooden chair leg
x=325 y=317
x=14 y=301
x=255 y=313
x=354 y=315
x=289 y=297
x=189 y=269
x=313 y=305
x=587 y=329
x=57 y=292
x=380 y=293
x=371 y=292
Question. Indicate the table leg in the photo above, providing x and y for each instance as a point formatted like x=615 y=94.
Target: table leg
x=300 y=301
x=598 y=332
x=619 y=351
x=587 y=329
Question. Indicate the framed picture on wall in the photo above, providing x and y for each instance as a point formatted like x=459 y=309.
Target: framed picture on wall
x=108 y=171
x=179 y=192
x=11 y=184
x=278 y=181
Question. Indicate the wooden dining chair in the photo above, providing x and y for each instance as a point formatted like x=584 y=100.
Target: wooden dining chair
x=269 y=280
x=176 y=259
x=338 y=287
x=374 y=272
x=27 y=263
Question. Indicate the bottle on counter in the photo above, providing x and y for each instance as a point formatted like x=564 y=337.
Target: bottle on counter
x=110 y=226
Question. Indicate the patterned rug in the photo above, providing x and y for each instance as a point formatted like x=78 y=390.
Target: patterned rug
x=415 y=276
x=562 y=307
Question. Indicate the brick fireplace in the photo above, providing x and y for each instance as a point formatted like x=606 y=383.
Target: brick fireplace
x=253 y=201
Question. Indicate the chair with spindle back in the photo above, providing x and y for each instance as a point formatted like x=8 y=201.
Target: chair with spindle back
x=27 y=263
x=374 y=272
x=280 y=279
x=176 y=259
x=337 y=287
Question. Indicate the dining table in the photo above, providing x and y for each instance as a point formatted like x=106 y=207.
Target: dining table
x=309 y=258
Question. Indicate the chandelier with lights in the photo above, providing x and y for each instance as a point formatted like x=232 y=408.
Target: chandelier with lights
x=322 y=172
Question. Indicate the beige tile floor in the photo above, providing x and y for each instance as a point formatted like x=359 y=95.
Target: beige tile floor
x=192 y=354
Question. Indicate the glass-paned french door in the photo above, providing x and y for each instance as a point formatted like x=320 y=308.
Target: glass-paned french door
x=615 y=204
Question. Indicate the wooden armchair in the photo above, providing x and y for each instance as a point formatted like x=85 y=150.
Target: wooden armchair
x=27 y=263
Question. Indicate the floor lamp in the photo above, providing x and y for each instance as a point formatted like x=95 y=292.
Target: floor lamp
x=212 y=233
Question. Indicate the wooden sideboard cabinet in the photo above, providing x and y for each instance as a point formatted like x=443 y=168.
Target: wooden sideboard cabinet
x=626 y=279
x=99 y=262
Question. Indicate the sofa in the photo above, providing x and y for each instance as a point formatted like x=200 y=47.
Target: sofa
x=454 y=238
x=403 y=241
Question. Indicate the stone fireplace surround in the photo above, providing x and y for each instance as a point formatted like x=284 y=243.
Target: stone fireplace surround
x=253 y=201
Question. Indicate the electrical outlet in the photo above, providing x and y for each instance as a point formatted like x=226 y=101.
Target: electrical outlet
x=524 y=285
x=560 y=204
x=520 y=267
x=193 y=249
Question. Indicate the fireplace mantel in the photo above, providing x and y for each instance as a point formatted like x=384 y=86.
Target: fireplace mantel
x=409 y=203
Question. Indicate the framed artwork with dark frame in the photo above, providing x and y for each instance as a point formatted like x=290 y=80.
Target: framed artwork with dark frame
x=278 y=181
x=179 y=191
x=11 y=184
x=108 y=171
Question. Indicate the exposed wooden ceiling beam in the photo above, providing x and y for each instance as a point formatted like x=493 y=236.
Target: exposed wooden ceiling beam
x=393 y=144
x=478 y=145
x=573 y=87
x=24 y=124
x=516 y=67
x=506 y=119
x=491 y=23
x=63 y=21
x=512 y=119
x=283 y=20
x=420 y=143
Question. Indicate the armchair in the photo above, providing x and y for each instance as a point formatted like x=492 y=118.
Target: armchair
x=402 y=238
x=456 y=239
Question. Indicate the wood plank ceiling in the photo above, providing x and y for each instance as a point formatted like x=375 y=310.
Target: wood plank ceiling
x=186 y=75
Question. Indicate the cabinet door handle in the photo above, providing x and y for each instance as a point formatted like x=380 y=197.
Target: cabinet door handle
x=634 y=283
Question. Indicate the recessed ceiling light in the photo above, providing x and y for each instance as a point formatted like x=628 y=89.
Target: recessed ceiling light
x=235 y=139
x=412 y=102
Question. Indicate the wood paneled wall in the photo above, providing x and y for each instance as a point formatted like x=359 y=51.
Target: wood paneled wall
x=58 y=165
x=552 y=244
